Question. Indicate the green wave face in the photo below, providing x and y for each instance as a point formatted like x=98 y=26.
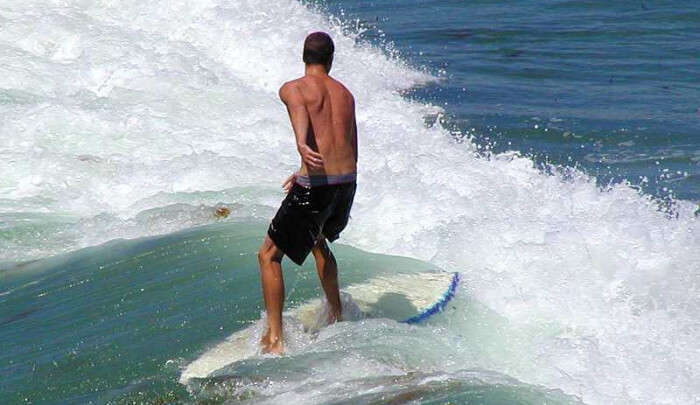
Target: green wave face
x=117 y=323
x=107 y=316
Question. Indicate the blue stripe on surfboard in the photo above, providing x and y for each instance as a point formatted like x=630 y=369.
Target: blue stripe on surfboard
x=439 y=306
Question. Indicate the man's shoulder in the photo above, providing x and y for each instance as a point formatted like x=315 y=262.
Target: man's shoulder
x=290 y=85
x=344 y=88
x=289 y=89
x=294 y=82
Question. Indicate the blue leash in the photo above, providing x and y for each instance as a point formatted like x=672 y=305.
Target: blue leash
x=438 y=306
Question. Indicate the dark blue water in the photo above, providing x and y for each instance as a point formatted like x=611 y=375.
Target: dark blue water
x=609 y=87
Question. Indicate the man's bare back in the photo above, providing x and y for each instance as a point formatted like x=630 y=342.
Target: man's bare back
x=321 y=193
x=322 y=112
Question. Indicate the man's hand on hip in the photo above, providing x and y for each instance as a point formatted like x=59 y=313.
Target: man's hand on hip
x=287 y=185
x=311 y=157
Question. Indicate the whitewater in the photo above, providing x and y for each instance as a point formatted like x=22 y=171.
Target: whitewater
x=129 y=119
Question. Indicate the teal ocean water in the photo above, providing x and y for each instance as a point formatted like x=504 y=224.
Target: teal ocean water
x=116 y=323
x=545 y=151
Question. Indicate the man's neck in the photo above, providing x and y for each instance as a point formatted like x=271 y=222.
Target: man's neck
x=315 y=70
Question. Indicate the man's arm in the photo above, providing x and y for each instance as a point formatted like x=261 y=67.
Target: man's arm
x=299 y=116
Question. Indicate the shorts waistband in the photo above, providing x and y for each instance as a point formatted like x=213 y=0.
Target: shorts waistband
x=323 y=180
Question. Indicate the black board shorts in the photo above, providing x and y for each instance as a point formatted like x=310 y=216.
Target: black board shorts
x=308 y=212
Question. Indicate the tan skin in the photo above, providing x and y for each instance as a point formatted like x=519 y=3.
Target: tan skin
x=322 y=113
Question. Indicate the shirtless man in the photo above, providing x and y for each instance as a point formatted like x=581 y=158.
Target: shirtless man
x=320 y=194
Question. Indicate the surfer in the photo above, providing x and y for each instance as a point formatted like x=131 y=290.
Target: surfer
x=320 y=194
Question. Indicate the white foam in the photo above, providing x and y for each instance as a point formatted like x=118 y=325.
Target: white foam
x=112 y=106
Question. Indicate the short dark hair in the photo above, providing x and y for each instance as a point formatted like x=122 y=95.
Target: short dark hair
x=318 y=49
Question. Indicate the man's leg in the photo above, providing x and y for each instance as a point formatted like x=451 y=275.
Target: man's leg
x=270 y=258
x=328 y=274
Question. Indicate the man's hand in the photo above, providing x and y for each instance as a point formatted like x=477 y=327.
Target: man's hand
x=311 y=157
x=287 y=185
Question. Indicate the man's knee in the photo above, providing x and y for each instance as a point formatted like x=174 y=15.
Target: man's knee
x=268 y=253
x=320 y=249
x=262 y=254
x=324 y=257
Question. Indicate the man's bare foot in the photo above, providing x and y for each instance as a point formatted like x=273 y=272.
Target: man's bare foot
x=265 y=339
x=333 y=317
x=271 y=345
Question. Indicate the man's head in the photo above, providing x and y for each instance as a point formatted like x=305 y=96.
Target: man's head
x=318 y=50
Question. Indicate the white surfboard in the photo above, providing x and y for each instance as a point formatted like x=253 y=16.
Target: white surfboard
x=409 y=298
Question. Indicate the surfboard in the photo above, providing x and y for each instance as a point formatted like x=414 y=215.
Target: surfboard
x=409 y=298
